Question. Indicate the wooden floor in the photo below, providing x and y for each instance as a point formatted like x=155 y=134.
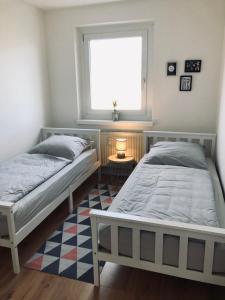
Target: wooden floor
x=117 y=283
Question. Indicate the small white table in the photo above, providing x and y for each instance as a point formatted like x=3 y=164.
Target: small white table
x=115 y=159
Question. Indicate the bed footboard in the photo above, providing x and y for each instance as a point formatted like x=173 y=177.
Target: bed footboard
x=209 y=236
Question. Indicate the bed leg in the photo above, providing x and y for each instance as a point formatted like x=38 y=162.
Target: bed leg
x=71 y=201
x=13 y=246
x=15 y=260
x=94 y=230
x=96 y=271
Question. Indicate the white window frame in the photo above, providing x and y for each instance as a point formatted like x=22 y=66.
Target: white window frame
x=84 y=36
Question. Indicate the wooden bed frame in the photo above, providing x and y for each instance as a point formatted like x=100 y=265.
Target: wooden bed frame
x=7 y=208
x=209 y=235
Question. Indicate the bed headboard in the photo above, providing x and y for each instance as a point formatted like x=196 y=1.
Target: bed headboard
x=207 y=140
x=88 y=134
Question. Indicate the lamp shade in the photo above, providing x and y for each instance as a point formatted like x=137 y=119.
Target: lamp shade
x=121 y=144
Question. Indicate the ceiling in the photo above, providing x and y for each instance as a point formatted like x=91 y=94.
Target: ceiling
x=51 y=4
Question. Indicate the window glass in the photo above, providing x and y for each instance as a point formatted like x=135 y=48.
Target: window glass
x=116 y=73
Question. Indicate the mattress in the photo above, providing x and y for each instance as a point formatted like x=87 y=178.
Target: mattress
x=167 y=193
x=44 y=194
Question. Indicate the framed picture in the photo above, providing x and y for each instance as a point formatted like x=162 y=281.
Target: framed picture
x=185 y=83
x=171 y=69
x=193 y=66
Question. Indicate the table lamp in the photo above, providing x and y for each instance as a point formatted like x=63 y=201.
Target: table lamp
x=121 y=146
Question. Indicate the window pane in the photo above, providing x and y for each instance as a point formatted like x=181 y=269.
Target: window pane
x=116 y=73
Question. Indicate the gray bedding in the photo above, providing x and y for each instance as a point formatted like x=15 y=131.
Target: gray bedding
x=182 y=154
x=45 y=193
x=167 y=193
x=68 y=147
x=22 y=174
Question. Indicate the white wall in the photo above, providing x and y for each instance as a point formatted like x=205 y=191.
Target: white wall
x=221 y=126
x=183 y=30
x=23 y=77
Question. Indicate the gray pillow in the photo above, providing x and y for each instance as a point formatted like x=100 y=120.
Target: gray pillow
x=69 y=147
x=177 y=154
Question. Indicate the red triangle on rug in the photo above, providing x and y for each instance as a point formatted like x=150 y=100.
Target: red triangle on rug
x=72 y=255
x=108 y=200
x=85 y=212
x=72 y=229
x=36 y=264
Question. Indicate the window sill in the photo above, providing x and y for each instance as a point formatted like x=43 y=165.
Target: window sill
x=117 y=124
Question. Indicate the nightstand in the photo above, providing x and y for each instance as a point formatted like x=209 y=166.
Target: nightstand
x=126 y=160
x=121 y=166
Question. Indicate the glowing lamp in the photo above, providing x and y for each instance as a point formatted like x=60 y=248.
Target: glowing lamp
x=121 y=147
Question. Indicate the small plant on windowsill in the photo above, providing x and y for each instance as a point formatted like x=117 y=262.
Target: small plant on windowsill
x=115 y=113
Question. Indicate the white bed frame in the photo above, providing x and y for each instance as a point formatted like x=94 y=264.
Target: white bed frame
x=8 y=208
x=210 y=235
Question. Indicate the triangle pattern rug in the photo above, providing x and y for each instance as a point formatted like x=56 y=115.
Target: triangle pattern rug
x=68 y=251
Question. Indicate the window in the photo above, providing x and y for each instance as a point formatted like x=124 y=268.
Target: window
x=118 y=64
x=113 y=66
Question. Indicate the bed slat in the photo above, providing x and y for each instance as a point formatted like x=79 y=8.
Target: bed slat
x=183 y=252
x=159 y=248
x=208 y=259
x=136 y=243
x=114 y=240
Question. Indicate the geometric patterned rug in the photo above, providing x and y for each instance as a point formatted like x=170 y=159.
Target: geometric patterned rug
x=68 y=251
